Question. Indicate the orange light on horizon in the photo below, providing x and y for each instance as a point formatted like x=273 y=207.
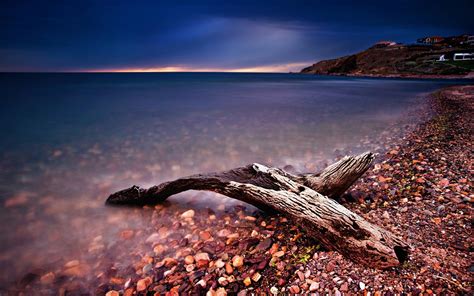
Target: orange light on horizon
x=283 y=68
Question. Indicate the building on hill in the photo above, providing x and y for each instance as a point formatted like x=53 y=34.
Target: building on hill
x=470 y=40
x=431 y=40
x=464 y=56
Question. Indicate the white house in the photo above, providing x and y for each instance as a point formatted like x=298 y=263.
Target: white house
x=470 y=40
x=464 y=56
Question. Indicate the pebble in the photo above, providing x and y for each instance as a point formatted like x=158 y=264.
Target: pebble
x=72 y=263
x=202 y=263
x=205 y=235
x=201 y=256
x=153 y=238
x=78 y=270
x=279 y=254
x=168 y=272
x=127 y=234
x=189 y=259
x=256 y=277
x=330 y=266
x=295 y=289
x=314 y=286
x=202 y=283
x=190 y=267
x=147 y=268
x=143 y=284
x=344 y=287
x=187 y=214
x=221 y=292
x=264 y=245
x=228 y=268
x=233 y=235
x=127 y=283
x=222 y=281
x=223 y=233
x=168 y=262
x=237 y=261
x=219 y=263
x=159 y=249
x=274 y=290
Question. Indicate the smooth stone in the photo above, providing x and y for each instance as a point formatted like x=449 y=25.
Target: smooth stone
x=188 y=214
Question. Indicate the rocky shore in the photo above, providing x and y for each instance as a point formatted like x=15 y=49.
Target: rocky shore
x=421 y=188
x=405 y=76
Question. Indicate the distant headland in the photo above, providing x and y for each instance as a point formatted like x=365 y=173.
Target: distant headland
x=429 y=57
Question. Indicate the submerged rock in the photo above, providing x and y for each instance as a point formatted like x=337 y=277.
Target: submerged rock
x=188 y=214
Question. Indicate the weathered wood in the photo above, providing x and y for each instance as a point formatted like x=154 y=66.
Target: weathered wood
x=329 y=222
x=338 y=177
x=332 y=181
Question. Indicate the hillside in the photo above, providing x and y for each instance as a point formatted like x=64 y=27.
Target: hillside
x=398 y=61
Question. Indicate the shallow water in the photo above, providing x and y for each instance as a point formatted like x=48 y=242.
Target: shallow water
x=69 y=140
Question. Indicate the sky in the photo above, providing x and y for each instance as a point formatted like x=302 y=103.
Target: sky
x=207 y=35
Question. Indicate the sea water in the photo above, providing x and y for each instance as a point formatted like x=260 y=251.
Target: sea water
x=69 y=140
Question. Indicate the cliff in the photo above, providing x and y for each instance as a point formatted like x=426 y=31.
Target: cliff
x=398 y=60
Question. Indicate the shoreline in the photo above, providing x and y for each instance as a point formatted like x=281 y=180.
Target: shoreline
x=420 y=190
x=469 y=76
x=420 y=210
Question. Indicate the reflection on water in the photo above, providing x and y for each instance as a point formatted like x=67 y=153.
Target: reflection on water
x=69 y=140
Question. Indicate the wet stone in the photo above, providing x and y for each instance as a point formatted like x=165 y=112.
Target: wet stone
x=237 y=261
x=295 y=289
x=188 y=214
x=264 y=245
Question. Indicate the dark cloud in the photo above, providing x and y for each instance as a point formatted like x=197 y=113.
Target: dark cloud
x=75 y=35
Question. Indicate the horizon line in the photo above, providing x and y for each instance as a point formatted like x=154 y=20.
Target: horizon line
x=273 y=68
x=138 y=72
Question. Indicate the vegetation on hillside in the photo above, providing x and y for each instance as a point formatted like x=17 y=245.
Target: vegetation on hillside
x=396 y=60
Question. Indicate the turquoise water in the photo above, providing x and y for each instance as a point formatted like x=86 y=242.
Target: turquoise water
x=69 y=140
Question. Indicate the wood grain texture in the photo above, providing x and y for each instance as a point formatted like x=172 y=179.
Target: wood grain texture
x=323 y=218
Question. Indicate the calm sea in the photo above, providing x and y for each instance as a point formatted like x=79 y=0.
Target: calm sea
x=69 y=140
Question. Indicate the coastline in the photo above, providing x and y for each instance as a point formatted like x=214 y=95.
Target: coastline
x=419 y=189
x=469 y=76
x=422 y=190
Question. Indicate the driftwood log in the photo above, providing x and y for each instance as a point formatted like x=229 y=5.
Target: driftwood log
x=303 y=198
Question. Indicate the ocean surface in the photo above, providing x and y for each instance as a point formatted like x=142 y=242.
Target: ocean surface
x=69 y=140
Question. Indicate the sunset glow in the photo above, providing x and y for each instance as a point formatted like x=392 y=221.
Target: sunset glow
x=282 y=68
